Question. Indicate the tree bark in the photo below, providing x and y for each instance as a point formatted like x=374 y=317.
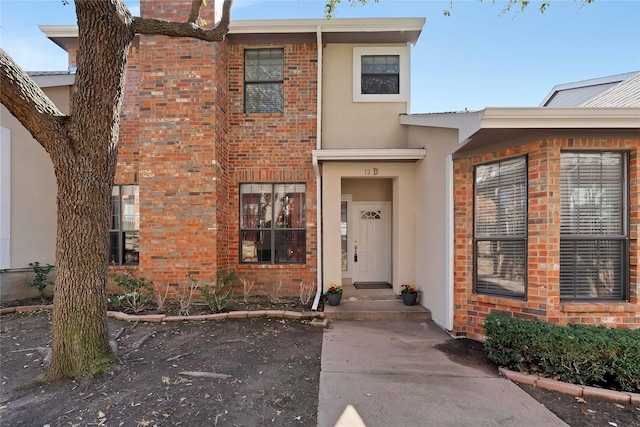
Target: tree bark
x=80 y=341
x=83 y=148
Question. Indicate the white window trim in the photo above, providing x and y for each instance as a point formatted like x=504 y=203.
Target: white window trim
x=405 y=73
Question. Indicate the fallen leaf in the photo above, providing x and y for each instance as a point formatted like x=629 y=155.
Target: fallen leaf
x=101 y=414
x=580 y=400
x=617 y=405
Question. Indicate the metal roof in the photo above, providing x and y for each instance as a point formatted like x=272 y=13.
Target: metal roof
x=625 y=94
x=581 y=93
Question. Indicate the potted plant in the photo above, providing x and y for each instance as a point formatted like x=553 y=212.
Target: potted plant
x=334 y=294
x=409 y=294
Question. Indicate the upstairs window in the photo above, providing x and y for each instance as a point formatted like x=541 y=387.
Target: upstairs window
x=381 y=74
x=124 y=235
x=500 y=228
x=263 y=81
x=593 y=230
x=273 y=223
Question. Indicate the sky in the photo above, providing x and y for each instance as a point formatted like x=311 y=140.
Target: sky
x=473 y=59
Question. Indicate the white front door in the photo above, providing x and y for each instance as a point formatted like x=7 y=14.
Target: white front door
x=372 y=242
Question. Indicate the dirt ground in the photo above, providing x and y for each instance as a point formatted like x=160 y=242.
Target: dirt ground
x=265 y=372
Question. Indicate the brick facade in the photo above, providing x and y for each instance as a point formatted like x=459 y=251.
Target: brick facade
x=185 y=139
x=543 y=271
x=275 y=148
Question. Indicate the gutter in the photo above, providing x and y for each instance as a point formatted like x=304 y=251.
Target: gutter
x=316 y=168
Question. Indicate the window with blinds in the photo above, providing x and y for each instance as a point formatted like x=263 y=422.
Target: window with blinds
x=264 y=81
x=593 y=230
x=500 y=228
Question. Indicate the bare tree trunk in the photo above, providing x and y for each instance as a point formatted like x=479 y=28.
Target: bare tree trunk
x=84 y=171
x=79 y=334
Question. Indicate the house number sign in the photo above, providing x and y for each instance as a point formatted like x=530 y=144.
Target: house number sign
x=373 y=171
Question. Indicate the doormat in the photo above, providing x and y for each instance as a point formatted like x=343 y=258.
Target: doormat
x=372 y=285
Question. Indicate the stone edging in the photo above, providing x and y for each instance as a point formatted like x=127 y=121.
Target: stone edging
x=284 y=314
x=572 y=389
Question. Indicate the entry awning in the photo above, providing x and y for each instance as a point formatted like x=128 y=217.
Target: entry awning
x=368 y=155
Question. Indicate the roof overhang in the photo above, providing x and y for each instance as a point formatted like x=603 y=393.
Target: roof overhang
x=356 y=30
x=369 y=155
x=53 y=79
x=493 y=126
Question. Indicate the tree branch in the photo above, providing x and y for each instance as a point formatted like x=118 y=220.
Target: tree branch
x=195 y=10
x=185 y=29
x=29 y=104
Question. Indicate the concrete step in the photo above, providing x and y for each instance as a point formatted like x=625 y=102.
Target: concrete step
x=391 y=309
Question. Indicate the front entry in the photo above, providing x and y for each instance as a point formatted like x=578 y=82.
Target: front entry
x=372 y=242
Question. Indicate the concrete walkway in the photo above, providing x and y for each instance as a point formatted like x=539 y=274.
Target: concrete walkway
x=388 y=373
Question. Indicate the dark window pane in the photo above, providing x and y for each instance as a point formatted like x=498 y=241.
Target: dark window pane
x=131 y=247
x=290 y=246
x=591 y=269
x=264 y=98
x=380 y=84
x=114 y=241
x=500 y=267
x=380 y=74
x=124 y=240
x=264 y=76
x=115 y=209
x=273 y=223
x=264 y=245
x=500 y=227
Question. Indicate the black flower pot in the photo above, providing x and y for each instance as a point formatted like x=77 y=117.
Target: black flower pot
x=409 y=299
x=334 y=299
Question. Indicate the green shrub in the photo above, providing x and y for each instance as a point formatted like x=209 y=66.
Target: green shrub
x=138 y=292
x=40 y=281
x=218 y=295
x=579 y=354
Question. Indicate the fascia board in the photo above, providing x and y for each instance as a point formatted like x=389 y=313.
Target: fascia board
x=369 y=154
x=326 y=25
x=560 y=118
x=54 y=80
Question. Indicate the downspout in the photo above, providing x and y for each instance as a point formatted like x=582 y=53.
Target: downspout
x=316 y=168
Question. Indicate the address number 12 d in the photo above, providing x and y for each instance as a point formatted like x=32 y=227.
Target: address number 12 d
x=373 y=171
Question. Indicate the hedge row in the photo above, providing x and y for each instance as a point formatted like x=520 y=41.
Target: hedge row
x=579 y=354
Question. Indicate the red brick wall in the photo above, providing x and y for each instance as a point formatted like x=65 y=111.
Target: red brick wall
x=179 y=131
x=187 y=142
x=274 y=148
x=543 y=288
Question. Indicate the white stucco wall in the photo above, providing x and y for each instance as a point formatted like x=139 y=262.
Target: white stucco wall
x=348 y=124
x=402 y=177
x=433 y=247
x=32 y=203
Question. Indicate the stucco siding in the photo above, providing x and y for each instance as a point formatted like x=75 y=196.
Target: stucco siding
x=431 y=201
x=348 y=124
